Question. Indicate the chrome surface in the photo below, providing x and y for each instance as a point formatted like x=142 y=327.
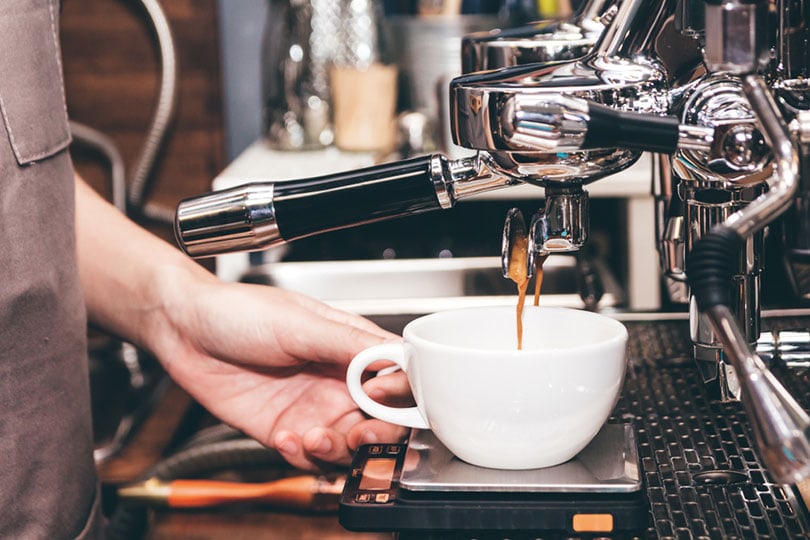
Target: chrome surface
x=801 y=126
x=740 y=155
x=562 y=224
x=623 y=71
x=238 y=219
x=703 y=210
x=784 y=183
x=749 y=222
x=738 y=39
x=792 y=53
x=466 y=177
x=540 y=42
x=554 y=123
x=440 y=184
x=243 y=218
x=791 y=347
x=673 y=248
x=609 y=464
x=780 y=425
x=695 y=137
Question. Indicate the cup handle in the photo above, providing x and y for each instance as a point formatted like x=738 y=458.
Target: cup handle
x=395 y=352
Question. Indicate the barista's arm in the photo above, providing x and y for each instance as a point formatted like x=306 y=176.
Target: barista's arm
x=267 y=361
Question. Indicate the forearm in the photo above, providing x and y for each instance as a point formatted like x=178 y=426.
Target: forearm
x=124 y=268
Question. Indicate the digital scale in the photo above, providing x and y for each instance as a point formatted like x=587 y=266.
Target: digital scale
x=422 y=489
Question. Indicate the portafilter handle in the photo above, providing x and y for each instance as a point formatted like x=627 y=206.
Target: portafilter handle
x=549 y=121
x=257 y=216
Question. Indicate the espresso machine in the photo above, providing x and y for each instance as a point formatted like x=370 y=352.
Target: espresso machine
x=720 y=92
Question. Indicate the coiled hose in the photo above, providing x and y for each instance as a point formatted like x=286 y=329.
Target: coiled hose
x=128 y=521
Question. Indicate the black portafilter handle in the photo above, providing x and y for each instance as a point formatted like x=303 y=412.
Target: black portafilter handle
x=257 y=216
x=557 y=123
x=711 y=265
x=608 y=127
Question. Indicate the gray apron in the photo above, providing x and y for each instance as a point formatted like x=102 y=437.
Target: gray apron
x=47 y=476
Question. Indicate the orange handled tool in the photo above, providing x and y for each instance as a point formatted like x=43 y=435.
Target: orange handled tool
x=299 y=492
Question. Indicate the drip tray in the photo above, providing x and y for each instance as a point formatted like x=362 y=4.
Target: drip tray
x=702 y=473
x=417 y=286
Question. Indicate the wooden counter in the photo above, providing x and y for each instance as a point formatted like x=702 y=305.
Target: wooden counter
x=251 y=525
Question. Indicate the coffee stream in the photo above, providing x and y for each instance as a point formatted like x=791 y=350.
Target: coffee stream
x=538 y=277
x=519 y=273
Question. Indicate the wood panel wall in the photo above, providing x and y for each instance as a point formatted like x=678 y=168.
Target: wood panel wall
x=111 y=66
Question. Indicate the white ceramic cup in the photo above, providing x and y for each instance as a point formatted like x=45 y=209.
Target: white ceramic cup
x=493 y=405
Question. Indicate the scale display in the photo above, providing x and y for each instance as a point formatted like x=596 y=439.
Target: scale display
x=421 y=486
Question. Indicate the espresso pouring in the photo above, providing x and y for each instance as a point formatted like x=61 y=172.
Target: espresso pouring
x=518 y=272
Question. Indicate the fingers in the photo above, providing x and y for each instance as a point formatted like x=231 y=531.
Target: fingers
x=322 y=445
x=261 y=325
x=325 y=340
x=345 y=317
x=291 y=447
x=374 y=431
x=327 y=445
x=317 y=447
x=392 y=389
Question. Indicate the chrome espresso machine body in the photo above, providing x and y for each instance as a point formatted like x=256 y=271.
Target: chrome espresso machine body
x=720 y=91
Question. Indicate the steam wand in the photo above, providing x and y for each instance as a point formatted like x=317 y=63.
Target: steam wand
x=780 y=425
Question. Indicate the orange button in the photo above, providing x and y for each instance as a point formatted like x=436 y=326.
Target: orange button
x=592 y=523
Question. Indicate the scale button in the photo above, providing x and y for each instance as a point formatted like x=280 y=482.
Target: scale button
x=592 y=523
x=393 y=449
x=363 y=497
x=381 y=498
x=376 y=449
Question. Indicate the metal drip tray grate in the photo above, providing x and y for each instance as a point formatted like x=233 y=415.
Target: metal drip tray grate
x=701 y=471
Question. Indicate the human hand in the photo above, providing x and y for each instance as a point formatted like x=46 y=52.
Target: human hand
x=272 y=363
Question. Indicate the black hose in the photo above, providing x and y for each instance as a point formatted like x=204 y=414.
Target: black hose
x=128 y=521
x=213 y=434
x=711 y=264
